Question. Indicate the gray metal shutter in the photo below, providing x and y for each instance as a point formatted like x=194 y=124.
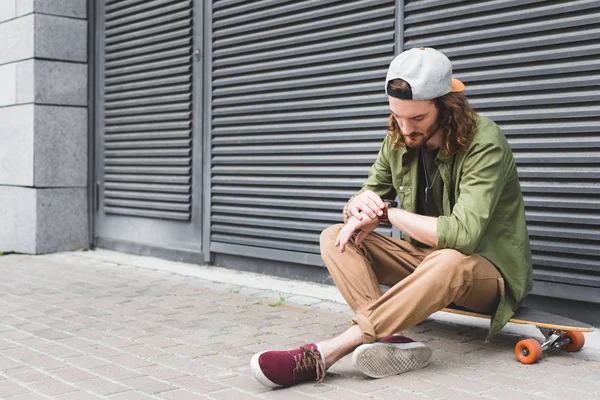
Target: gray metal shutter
x=534 y=68
x=298 y=115
x=148 y=108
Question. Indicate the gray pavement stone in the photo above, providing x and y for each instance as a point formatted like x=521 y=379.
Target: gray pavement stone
x=88 y=361
x=129 y=361
x=28 y=396
x=116 y=373
x=50 y=387
x=71 y=374
x=289 y=394
x=181 y=395
x=25 y=375
x=8 y=388
x=231 y=394
x=131 y=396
x=8 y=364
x=161 y=372
x=46 y=363
x=198 y=385
x=148 y=385
x=101 y=386
x=398 y=394
x=78 y=395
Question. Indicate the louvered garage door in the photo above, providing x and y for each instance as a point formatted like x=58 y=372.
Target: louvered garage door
x=148 y=108
x=534 y=68
x=149 y=91
x=298 y=115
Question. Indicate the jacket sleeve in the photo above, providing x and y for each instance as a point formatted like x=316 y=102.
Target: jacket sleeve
x=379 y=179
x=481 y=185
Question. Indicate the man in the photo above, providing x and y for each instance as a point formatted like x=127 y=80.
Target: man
x=463 y=220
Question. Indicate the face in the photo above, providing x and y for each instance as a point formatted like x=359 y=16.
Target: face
x=417 y=120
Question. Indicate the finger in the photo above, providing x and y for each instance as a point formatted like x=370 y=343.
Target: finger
x=370 y=209
x=375 y=197
x=337 y=241
x=374 y=210
x=344 y=236
x=355 y=212
x=361 y=235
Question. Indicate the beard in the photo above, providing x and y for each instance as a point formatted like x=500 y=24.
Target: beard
x=416 y=140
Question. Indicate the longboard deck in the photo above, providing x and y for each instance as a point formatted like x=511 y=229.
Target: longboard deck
x=531 y=316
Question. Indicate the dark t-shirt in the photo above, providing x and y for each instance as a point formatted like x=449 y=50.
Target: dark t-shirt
x=433 y=207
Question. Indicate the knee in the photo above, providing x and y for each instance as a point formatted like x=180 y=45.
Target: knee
x=450 y=263
x=328 y=237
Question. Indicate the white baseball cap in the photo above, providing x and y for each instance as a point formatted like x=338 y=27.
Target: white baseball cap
x=426 y=70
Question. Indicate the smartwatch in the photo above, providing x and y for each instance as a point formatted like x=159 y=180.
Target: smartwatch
x=387 y=204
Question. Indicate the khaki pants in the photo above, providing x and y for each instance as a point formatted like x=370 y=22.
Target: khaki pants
x=422 y=281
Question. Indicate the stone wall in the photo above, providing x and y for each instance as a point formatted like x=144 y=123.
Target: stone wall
x=43 y=125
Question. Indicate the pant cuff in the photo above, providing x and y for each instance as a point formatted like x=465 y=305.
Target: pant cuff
x=366 y=326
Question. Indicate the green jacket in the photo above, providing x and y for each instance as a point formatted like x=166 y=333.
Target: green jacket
x=483 y=207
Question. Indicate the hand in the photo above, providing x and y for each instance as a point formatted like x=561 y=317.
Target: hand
x=366 y=226
x=366 y=204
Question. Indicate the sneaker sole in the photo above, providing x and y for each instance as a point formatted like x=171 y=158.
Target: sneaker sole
x=379 y=360
x=258 y=374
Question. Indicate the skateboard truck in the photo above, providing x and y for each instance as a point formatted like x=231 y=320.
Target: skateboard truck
x=529 y=351
x=554 y=339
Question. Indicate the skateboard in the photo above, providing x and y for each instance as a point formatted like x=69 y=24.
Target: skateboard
x=559 y=332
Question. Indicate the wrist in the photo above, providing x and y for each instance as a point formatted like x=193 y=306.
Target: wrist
x=388 y=205
x=346 y=209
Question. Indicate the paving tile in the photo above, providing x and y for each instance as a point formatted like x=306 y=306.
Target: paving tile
x=287 y=394
x=47 y=363
x=129 y=361
x=51 y=387
x=88 y=362
x=243 y=383
x=102 y=351
x=71 y=374
x=465 y=384
x=398 y=394
x=8 y=364
x=25 y=375
x=116 y=373
x=197 y=385
x=231 y=394
x=161 y=372
x=504 y=393
x=59 y=351
x=28 y=396
x=102 y=387
x=131 y=396
x=181 y=395
x=8 y=388
x=222 y=361
x=78 y=395
x=148 y=385
x=452 y=394
x=343 y=394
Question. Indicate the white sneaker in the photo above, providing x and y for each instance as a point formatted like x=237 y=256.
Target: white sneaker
x=391 y=356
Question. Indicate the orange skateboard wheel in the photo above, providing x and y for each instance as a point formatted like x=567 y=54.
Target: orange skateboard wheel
x=575 y=341
x=528 y=351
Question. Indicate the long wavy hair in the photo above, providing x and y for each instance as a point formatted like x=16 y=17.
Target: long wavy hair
x=456 y=119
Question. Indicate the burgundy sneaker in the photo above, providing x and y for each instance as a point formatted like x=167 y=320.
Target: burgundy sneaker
x=286 y=368
x=392 y=355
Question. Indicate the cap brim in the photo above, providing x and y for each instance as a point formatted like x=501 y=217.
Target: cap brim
x=457 y=86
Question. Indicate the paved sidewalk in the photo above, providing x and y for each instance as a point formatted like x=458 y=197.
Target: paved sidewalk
x=98 y=325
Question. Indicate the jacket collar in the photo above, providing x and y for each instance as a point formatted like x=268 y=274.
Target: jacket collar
x=446 y=159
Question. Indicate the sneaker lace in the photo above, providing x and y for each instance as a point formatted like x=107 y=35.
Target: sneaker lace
x=310 y=359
